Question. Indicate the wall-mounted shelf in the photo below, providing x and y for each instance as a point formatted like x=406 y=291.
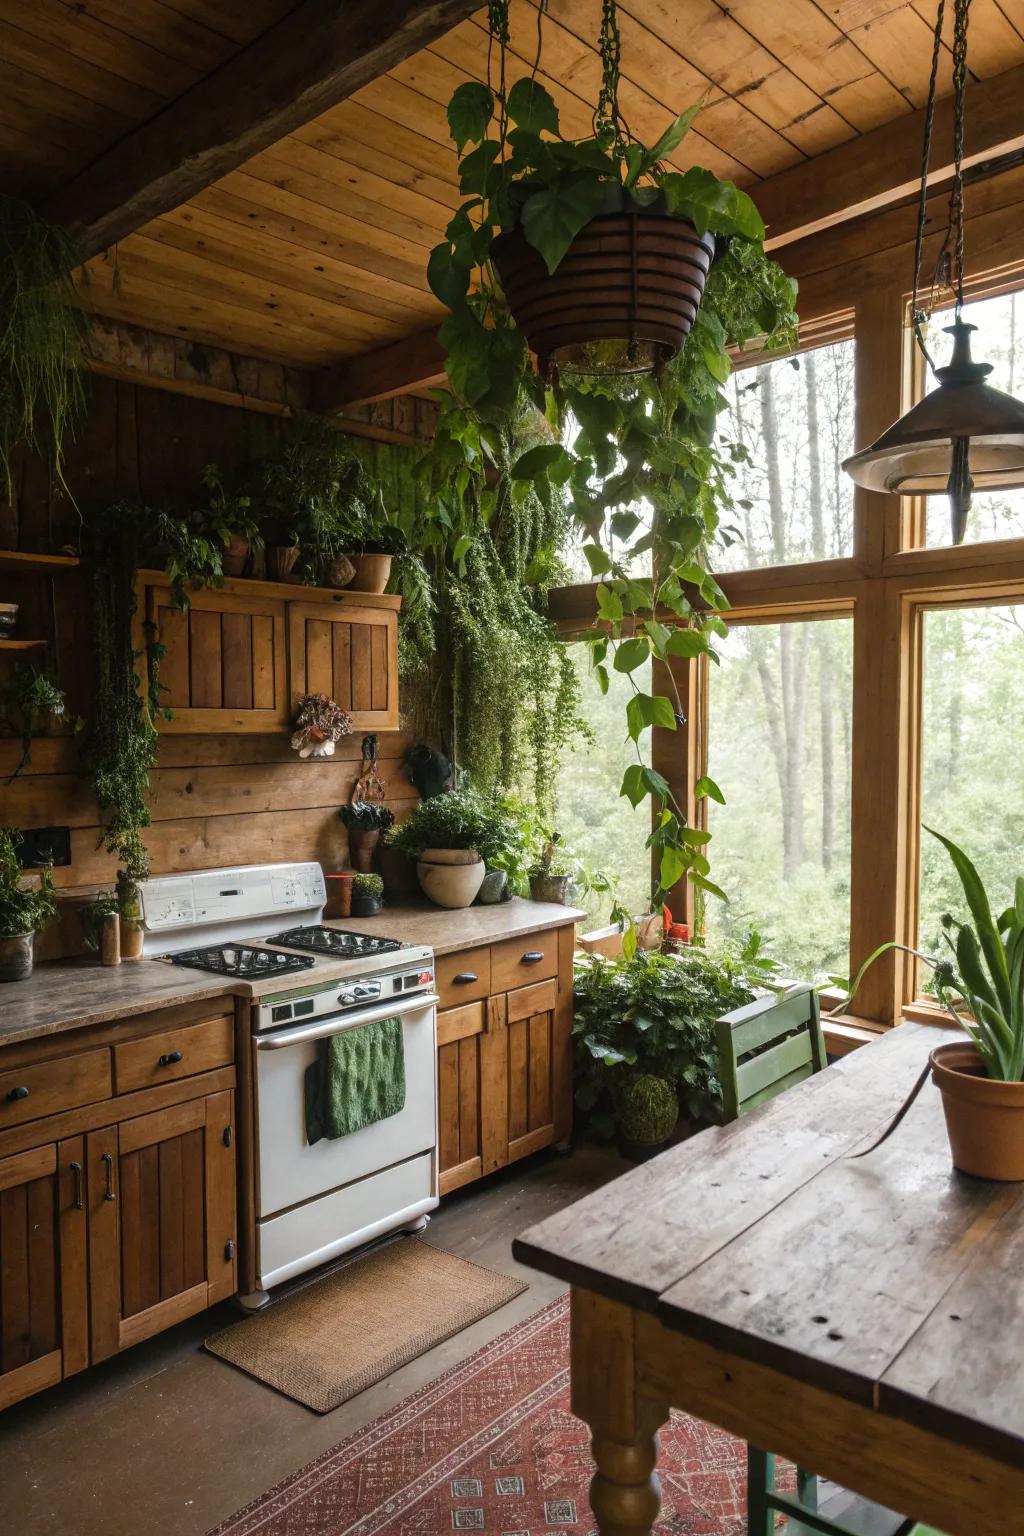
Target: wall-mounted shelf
x=47 y=565
x=20 y=645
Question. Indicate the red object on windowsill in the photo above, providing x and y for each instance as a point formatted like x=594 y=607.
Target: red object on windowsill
x=673 y=930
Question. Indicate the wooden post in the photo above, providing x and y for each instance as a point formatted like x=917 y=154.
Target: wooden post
x=678 y=756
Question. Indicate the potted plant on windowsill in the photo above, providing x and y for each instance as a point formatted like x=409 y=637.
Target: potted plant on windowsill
x=367 y=894
x=553 y=873
x=982 y=989
x=23 y=911
x=365 y=820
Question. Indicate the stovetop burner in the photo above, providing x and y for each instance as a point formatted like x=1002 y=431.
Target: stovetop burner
x=242 y=961
x=338 y=942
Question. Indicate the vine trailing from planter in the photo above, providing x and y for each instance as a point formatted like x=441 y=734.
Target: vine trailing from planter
x=41 y=337
x=632 y=451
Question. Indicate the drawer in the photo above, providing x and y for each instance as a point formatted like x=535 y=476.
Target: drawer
x=542 y=997
x=521 y=961
x=175 y=1053
x=460 y=1023
x=51 y=1086
x=463 y=977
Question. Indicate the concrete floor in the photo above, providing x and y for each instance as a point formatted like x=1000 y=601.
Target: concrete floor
x=166 y=1440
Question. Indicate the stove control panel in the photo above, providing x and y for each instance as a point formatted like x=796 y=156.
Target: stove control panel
x=217 y=905
x=360 y=992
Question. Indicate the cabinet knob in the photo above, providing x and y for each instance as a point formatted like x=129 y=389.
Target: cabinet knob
x=533 y=957
x=16 y=1094
x=171 y=1058
x=465 y=977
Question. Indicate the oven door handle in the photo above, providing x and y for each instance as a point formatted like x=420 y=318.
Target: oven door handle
x=339 y=1022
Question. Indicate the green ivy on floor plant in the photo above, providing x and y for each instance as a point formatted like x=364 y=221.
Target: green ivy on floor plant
x=618 y=443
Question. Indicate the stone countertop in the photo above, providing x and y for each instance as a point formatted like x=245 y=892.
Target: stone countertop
x=72 y=994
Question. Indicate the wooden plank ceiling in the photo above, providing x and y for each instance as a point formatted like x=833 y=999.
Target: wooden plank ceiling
x=315 y=249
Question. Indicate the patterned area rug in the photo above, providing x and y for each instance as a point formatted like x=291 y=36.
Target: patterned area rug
x=491 y=1446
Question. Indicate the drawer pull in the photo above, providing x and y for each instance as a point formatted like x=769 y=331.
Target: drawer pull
x=16 y=1094
x=78 y=1203
x=171 y=1058
x=533 y=957
x=109 y=1161
x=464 y=978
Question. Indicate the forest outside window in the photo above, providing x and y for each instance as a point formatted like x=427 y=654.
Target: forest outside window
x=792 y=422
x=779 y=748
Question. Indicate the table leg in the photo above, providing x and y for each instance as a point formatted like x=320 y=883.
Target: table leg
x=623 y=1419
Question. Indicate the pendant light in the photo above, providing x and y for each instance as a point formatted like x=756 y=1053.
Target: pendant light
x=965 y=435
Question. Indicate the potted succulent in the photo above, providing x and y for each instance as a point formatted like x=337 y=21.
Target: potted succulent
x=443 y=835
x=23 y=911
x=365 y=821
x=982 y=988
x=367 y=895
x=229 y=518
x=554 y=870
x=648 y=1114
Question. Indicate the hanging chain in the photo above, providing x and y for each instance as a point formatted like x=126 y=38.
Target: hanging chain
x=949 y=265
x=606 y=113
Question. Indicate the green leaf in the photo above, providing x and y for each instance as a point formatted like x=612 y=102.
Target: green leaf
x=706 y=788
x=609 y=604
x=630 y=654
x=981 y=911
x=537 y=461
x=553 y=217
x=530 y=107
x=469 y=112
x=710 y=204
x=708 y=885
x=477 y=171
x=673 y=136
x=601 y=673
x=598 y=559
x=448 y=278
x=462 y=545
x=686 y=643
x=646 y=709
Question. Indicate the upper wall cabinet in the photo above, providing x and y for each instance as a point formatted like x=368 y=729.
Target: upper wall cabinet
x=241 y=654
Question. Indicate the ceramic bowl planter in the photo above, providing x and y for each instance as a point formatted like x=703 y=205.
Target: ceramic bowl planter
x=365 y=906
x=631 y=278
x=492 y=887
x=450 y=877
x=281 y=560
x=235 y=555
x=984 y=1115
x=371 y=572
x=16 y=957
x=551 y=888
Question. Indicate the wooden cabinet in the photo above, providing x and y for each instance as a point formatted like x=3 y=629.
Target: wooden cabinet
x=241 y=654
x=43 y=1307
x=504 y=1061
x=117 y=1188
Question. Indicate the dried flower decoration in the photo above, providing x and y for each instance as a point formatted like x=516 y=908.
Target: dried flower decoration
x=319 y=723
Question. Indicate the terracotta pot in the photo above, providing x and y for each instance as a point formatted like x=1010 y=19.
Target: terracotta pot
x=636 y=279
x=551 y=888
x=365 y=906
x=235 y=555
x=398 y=872
x=281 y=560
x=984 y=1117
x=340 y=572
x=361 y=843
x=339 y=894
x=451 y=877
x=492 y=887
x=16 y=957
x=371 y=572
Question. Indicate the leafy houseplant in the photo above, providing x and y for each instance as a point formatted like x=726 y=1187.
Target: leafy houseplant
x=310 y=494
x=648 y=1115
x=31 y=698
x=22 y=911
x=228 y=518
x=552 y=875
x=365 y=821
x=444 y=835
x=982 y=988
x=367 y=893
x=651 y=1014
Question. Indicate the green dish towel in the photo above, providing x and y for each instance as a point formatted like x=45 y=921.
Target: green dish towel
x=357 y=1079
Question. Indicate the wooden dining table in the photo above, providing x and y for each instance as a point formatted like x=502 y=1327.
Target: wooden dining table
x=860 y=1316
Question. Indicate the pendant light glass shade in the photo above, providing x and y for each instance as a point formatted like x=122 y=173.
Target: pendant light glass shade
x=964 y=436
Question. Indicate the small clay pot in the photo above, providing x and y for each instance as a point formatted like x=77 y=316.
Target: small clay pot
x=371 y=572
x=551 y=888
x=492 y=887
x=361 y=843
x=450 y=877
x=235 y=555
x=984 y=1116
x=340 y=572
x=339 y=894
x=16 y=957
x=365 y=906
x=281 y=560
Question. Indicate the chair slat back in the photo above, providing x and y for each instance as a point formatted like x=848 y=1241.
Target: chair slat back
x=767 y=1046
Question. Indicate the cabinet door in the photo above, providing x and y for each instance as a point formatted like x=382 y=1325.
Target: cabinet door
x=471 y=1097
x=161 y=1198
x=349 y=653
x=532 y=1055
x=43 y=1289
x=224 y=665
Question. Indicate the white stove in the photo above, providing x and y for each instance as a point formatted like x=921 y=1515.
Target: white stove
x=263 y=924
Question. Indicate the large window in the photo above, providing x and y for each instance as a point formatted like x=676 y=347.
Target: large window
x=779 y=749
x=1000 y=341
x=972 y=747
x=792 y=422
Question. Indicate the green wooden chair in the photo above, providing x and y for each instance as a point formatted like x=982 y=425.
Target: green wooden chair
x=763 y=1048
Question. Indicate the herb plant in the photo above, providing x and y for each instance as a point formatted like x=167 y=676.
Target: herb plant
x=366 y=816
x=22 y=910
x=367 y=885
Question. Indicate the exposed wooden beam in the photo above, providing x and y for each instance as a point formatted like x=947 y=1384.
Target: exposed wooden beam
x=880 y=167
x=416 y=362
x=320 y=53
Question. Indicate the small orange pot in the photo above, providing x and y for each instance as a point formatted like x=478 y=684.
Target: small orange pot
x=984 y=1116
x=339 y=894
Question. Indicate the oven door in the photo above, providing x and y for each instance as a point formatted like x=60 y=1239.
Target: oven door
x=290 y=1170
